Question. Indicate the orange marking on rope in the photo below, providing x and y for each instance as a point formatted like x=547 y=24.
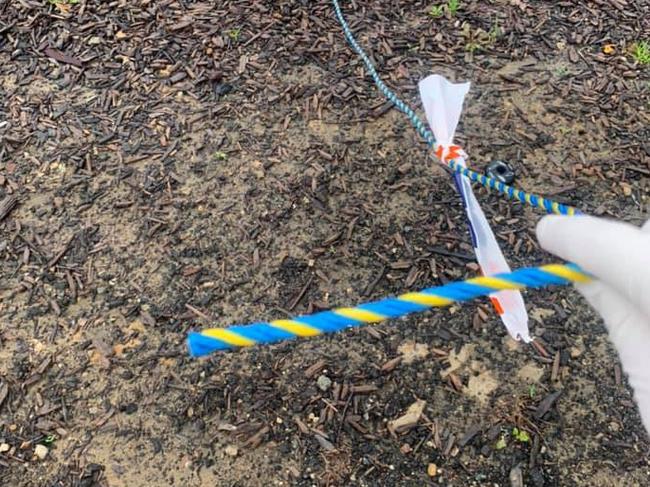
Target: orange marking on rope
x=446 y=154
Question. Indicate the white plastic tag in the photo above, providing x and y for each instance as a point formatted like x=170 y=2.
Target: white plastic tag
x=443 y=104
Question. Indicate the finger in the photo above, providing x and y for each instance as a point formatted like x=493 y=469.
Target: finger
x=615 y=310
x=616 y=253
x=629 y=331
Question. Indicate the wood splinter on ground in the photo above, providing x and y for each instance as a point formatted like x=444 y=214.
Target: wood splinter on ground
x=8 y=203
x=407 y=421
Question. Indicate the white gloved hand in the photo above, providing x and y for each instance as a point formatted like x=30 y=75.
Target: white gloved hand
x=618 y=255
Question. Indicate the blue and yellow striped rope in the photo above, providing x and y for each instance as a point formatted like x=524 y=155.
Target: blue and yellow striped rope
x=215 y=339
x=513 y=193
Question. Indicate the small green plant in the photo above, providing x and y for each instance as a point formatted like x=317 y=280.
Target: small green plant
x=472 y=47
x=501 y=444
x=234 y=34
x=219 y=156
x=436 y=11
x=495 y=33
x=520 y=435
x=477 y=39
x=532 y=390
x=451 y=6
x=561 y=71
x=641 y=52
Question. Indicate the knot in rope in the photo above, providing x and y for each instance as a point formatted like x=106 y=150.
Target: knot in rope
x=449 y=152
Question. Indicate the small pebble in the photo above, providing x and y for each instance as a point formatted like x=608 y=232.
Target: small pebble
x=232 y=450
x=432 y=470
x=614 y=426
x=41 y=451
x=324 y=382
x=4 y=447
x=575 y=352
x=516 y=477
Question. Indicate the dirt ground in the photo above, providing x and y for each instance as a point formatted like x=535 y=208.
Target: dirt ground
x=183 y=164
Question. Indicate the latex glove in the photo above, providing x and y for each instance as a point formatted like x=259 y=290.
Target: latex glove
x=618 y=255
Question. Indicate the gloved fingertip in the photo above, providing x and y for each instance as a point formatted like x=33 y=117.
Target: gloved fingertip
x=547 y=228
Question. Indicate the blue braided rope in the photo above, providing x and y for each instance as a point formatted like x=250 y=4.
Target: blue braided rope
x=509 y=191
x=331 y=322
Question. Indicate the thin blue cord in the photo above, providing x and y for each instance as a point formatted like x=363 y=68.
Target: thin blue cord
x=512 y=193
x=426 y=134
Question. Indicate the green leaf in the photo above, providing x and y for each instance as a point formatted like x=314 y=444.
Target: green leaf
x=501 y=444
x=48 y=440
x=531 y=391
x=521 y=435
x=436 y=11
x=641 y=52
x=234 y=34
